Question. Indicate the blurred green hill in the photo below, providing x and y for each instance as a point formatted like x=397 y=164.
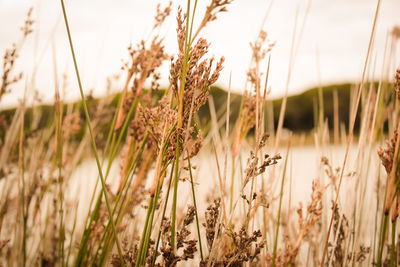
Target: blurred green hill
x=301 y=111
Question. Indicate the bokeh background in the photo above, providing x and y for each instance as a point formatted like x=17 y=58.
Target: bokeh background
x=330 y=49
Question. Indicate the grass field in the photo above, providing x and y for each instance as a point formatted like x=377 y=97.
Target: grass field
x=194 y=176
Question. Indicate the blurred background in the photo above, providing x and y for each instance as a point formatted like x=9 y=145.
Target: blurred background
x=331 y=40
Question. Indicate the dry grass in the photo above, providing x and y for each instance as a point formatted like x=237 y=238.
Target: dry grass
x=142 y=205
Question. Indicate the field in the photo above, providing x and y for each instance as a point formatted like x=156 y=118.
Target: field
x=194 y=175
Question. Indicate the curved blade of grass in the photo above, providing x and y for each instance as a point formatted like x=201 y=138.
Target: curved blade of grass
x=103 y=184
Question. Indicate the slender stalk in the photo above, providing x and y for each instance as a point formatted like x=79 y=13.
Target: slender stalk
x=393 y=247
x=274 y=253
x=174 y=197
x=163 y=214
x=382 y=239
x=59 y=112
x=72 y=235
x=232 y=184
x=180 y=124
x=146 y=223
x=148 y=234
x=105 y=238
x=382 y=232
x=22 y=170
x=195 y=207
x=94 y=147
x=376 y=217
x=350 y=137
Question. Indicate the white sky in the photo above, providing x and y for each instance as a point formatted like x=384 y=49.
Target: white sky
x=102 y=30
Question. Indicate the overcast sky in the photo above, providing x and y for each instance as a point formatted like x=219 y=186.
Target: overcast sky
x=102 y=30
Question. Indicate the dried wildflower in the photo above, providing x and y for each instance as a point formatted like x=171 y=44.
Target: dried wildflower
x=138 y=125
x=184 y=232
x=198 y=79
x=215 y=7
x=245 y=249
x=263 y=140
x=288 y=255
x=338 y=251
x=161 y=15
x=181 y=30
x=155 y=82
x=248 y=116
x=211 y=216
x=313 y=214
x=253 y=169
x=387 y=158
x=167 y=252
x=143 y=62
x=257 y=47
x=359 y=256
x=9 y=58
x=11 y=55
x=190 y=88
x=27 y=28
x=185 y=247
x=129 y=255
x=340 y=229
x=333 y=174
x=258 y=54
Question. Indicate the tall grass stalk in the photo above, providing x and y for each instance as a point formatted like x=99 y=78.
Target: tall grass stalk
x=382 y=239
x=274 y=253
x=351 y=131
x=180 y=122
x=196 y=210
x=72 y=237
x=149 y=229
x=23 y=213
x=284 y=101
x=114 y=140
x=59 y=112
x=94 y=147
x=106 y=238
x=376 y=233
x=58 y=106
x=163 y=212
x=145 y=240
x=146 y=233
x=393 y=250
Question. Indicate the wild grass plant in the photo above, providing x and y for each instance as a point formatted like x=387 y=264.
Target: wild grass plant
x=144 y=206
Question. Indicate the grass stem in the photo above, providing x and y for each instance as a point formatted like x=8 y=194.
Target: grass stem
x=94 y=147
